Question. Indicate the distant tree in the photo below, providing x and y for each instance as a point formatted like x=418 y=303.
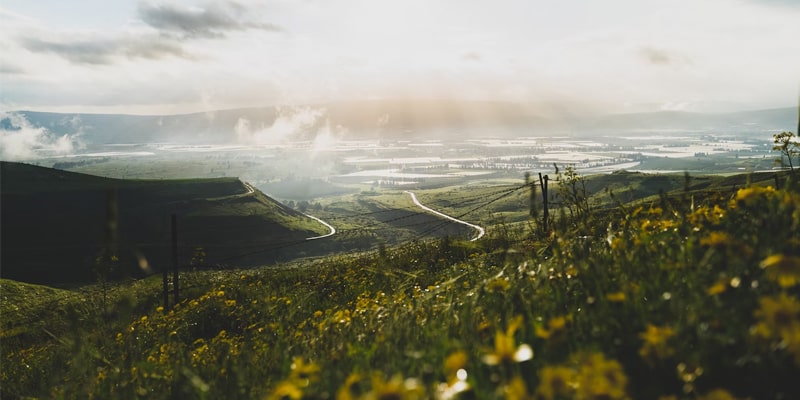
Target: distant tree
x=789 y=147
x=302 y=206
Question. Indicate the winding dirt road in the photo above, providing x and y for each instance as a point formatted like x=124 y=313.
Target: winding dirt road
x=480 y=230
x=329 y=226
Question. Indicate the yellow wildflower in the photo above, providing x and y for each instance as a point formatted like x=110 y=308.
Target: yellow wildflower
x=303 y=373
x=453 y=364
x=505 y=349
x=347 y=391
x=555 y=383
x=395 y=388
x=516 y=389
x=498 y=285
x=750 y=195
x=599 y=378
x=716 y=239
x=717 y=394
x=230 y=303
x=456 y=375
x=555 y=326
x=655 y=340
x=779 y=320
x=616 y=297
x=286 y=390
x=782 y=269
x=718 y=288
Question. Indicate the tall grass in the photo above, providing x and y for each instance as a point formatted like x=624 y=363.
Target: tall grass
x=694 y=300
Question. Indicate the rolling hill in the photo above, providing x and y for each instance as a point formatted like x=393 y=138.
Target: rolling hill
x=56 y=223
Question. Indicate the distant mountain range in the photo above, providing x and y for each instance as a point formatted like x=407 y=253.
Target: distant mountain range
x=390 y=119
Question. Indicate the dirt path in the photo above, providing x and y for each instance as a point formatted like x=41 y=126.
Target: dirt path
x=329 y=226
x=480 y=230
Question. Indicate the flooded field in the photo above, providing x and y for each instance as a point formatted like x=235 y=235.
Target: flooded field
x=284 y=168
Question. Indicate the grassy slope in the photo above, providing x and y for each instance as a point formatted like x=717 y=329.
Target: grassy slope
x=669 y=301
x=54 y=222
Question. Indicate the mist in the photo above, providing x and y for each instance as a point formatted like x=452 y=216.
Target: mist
x=21 y=140
x=291 y=123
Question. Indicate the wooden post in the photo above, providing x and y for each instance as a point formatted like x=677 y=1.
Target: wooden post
x=546 y=212
x=164 y=275
x=175 y=257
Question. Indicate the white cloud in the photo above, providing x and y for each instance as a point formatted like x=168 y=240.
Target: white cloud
x=19 y=140
x=291 y=123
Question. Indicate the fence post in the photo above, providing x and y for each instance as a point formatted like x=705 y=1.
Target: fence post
x=546 y=212
x=175 y=257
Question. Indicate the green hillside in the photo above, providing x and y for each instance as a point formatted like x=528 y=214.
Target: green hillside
x=55 y=224
x=692 y=294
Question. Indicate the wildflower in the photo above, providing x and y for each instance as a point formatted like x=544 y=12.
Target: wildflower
x=716 y=239
x=749 y=196
x=616 y=297
x=498 y=285
x=776 y=314
x=159 y=309
x=101 y=374
x=782 y=269
x=555 y=326
x=555 y=383
x=303 y=373
x=453 y=364
x=599 y=378
x=779 y=319
x=717 y=394
x=286 y=390
x=347 y=391
x=717 y=288
x=342 y=317
x=516 y=389
x=395 y=388
x=655 y=340
x=505 y=350
x=456 y=376
x=230 y=303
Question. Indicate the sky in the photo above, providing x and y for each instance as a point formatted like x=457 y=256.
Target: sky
x=167 y=57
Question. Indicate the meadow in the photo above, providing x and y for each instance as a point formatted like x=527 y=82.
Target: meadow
x=687 y=295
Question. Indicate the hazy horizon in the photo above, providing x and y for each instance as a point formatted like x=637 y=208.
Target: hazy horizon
x=175 y=57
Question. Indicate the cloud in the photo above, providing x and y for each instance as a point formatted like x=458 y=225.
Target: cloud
x=290 y=124
x=661 y=57
x=655 y=56
x=168 y=26
x=19 y=140
x=471 y=56
x=10 y=69
x=100 y=51
x=213 y=21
